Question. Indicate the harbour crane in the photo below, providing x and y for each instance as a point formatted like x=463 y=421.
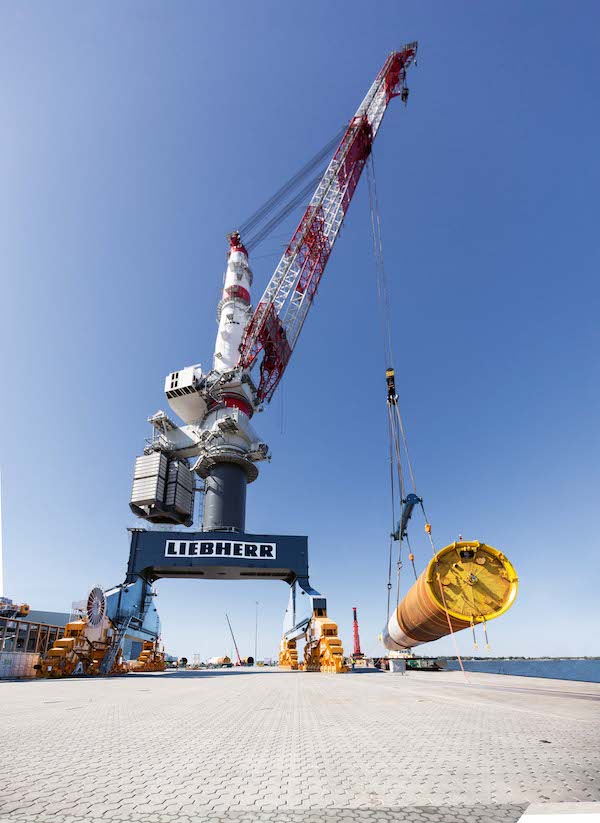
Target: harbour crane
x=218 y=444
x=216 y=441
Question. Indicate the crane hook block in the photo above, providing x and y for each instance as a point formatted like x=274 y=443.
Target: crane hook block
x=391 y=385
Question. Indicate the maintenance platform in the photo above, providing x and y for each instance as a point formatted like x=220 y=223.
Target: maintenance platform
x=259 y=744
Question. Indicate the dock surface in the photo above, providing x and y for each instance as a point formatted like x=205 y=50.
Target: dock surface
x=264 y=745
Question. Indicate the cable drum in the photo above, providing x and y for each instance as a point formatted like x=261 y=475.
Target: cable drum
x=96 y=606
x=464 y=584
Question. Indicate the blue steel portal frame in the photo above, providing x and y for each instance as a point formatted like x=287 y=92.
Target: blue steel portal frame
x=210 y=556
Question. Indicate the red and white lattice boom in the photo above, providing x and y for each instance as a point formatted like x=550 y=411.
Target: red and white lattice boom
x=282 y=310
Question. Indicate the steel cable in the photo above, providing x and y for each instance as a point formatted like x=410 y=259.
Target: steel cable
x=267 y=208
x=275 y=221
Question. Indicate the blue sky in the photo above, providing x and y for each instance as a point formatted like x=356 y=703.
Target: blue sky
x=134 y=136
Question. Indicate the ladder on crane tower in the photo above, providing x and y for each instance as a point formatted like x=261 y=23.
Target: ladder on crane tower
x=121 y=630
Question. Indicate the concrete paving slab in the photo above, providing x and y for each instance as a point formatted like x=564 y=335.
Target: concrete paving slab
x=262 y=745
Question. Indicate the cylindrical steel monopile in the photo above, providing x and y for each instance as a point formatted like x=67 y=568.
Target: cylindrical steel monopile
x=464 y=584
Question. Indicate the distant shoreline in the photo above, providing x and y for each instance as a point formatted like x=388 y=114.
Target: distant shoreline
x=487 y=657
x=583 y=669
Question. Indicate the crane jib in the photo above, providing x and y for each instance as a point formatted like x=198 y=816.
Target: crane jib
x=282 y=311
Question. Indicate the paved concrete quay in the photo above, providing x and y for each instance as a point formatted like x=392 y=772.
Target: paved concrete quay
x=263 y=745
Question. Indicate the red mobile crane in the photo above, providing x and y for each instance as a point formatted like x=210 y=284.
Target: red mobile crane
x=357 y=654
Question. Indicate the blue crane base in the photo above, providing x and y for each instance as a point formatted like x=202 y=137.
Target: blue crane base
x=209 y=556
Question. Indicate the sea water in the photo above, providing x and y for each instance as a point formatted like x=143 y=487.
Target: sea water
x=586 y=670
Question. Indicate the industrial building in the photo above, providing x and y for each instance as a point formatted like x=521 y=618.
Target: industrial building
x=25 y=637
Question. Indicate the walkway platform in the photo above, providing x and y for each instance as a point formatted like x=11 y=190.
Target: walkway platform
x=256 y=745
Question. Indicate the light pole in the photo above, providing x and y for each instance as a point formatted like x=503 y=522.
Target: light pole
x=256 y=636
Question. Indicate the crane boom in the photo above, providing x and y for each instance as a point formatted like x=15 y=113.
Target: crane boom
x=283 y=308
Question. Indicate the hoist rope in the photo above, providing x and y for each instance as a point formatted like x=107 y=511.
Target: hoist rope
x=406 y=452
x=382 y=291
x=396 y=432
x=388 y=359
x=255 y=219
x=401 y=484
x=398 y=570
x=402 y=495
x=280 y=216
x=411 y=557
x=389 y=583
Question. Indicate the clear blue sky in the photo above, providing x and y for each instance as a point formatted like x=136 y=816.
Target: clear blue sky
x=134 y=136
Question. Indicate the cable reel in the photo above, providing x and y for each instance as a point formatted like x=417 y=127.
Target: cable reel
x=95 y=606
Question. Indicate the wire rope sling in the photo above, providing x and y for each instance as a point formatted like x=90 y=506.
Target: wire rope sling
x=467 y=582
